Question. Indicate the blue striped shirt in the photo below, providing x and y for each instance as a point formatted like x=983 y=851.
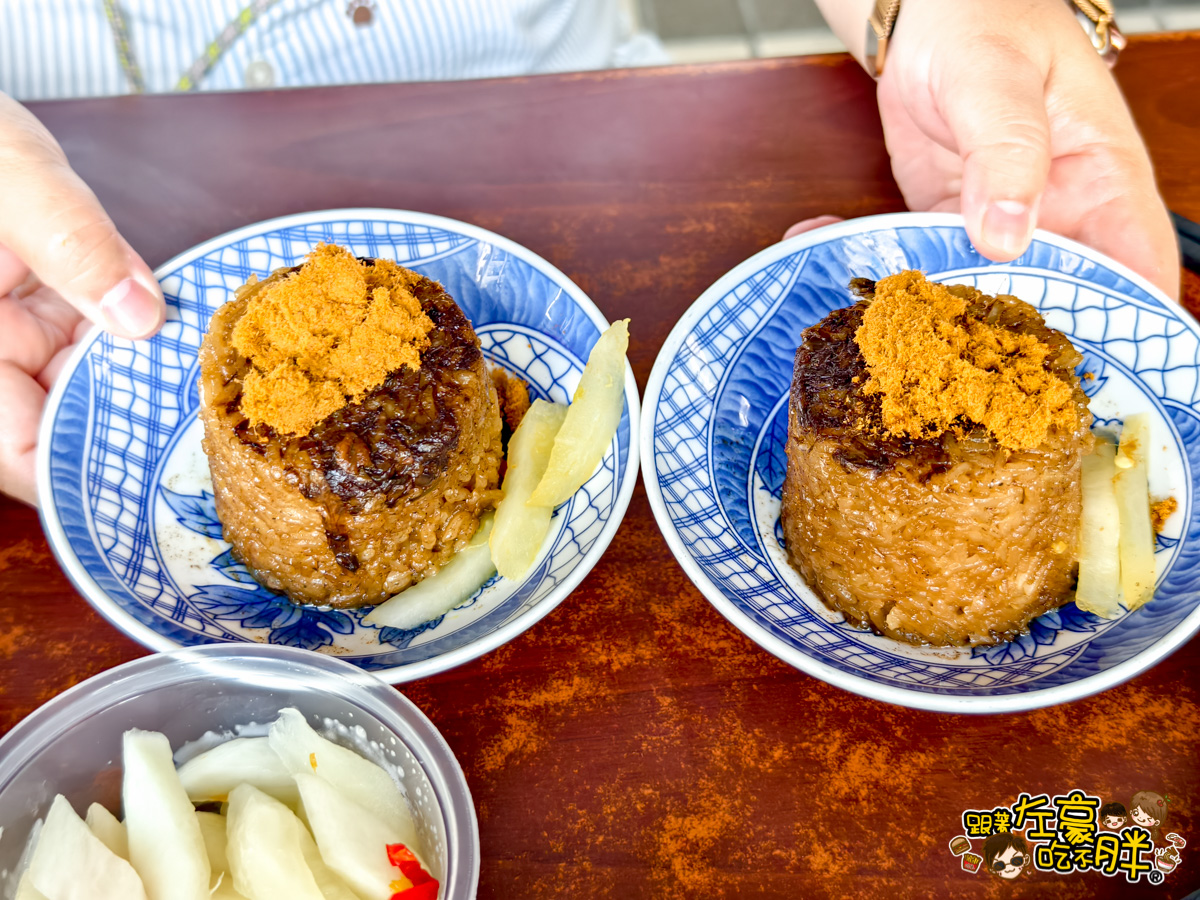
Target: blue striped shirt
x=65 y=48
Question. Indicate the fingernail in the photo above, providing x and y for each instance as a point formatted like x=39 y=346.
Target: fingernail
x=130 y=309
x=1008 y=226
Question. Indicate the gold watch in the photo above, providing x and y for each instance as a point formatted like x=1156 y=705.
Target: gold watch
x=1096 y=16
x=879 y=31
x=1098 y=20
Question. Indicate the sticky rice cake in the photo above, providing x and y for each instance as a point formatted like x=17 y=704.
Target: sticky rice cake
x=378 y=493
x=945 y=536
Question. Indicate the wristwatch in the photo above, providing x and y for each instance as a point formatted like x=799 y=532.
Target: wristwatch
x=879 y=31
x=1096 y=16
x=1098 y=20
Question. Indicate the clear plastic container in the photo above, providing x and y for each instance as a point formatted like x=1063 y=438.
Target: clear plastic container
x=72 y=745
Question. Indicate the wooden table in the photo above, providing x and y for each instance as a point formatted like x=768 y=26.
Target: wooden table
x=634 y=743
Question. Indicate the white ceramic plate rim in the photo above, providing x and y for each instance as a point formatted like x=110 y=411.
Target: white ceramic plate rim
x=934 y=702
x=147 y=636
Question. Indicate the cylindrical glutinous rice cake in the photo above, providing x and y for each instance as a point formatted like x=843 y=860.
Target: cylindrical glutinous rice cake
x=351 y=426
x=933 y=462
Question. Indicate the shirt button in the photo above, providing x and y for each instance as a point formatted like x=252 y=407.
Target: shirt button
x=361 y=12
x=260 y=74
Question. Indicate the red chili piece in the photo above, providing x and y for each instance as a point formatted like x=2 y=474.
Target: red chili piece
x=424 y=885
x=414 y=873
x=398 y=853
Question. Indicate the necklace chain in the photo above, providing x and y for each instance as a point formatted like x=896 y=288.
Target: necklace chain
x=203 y=63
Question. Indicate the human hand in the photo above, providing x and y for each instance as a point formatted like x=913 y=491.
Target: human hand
x=63 y=266
x=1010 y=117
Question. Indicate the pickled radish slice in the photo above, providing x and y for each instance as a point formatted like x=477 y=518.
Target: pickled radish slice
x=449 y=586
x=71 y=863
x=165 y=844
x=1133 y=498
x=1099 y=586
x=264 y=849
x=216 y=772
x=26 y=890
x=359 y=779
x=212 y=829
x=330 y=883
x=521 y=527
x=591 y=422
x=225 y=889
x=352 y=841
x=105 y=826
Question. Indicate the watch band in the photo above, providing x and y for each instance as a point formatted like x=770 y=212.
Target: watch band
x=1097 y=17
x=879 y=31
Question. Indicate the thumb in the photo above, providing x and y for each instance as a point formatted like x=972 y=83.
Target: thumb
x=995 y=108
x=53 y=222
x=812 y=224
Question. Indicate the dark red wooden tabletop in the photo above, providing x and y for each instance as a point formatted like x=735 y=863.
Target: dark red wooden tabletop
x=634 y=743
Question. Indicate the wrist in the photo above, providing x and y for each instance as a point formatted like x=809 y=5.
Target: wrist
x=863 y=26
x=847 y=19
x=878 y=35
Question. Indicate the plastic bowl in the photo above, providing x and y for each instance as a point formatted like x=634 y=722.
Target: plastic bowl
x=72 y=745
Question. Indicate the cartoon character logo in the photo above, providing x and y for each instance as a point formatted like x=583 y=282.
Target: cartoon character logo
x=1005 y=854
x=1113 y=815
x=1074 y=832
x=1149 y=810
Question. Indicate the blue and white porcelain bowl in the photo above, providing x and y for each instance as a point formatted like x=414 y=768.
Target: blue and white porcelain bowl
x=715 y=424
x=124 y=487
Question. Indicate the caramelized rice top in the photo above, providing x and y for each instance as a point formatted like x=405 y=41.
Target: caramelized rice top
x=325 y=336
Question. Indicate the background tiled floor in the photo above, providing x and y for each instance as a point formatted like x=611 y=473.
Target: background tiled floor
x=711 y=30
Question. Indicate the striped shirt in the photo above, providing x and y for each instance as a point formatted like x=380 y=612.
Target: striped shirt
x=66 y=48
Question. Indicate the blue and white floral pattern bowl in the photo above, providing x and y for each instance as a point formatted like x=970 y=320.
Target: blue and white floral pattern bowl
x=125 y=492
x=715 y=423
